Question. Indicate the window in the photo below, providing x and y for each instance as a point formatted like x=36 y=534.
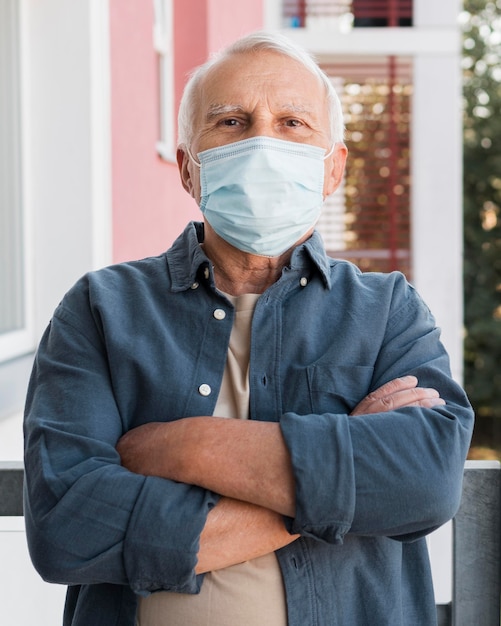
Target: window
x=382 y=12
x=301 y=13
x=15 y=326
x=367 y=220
x=163 y=41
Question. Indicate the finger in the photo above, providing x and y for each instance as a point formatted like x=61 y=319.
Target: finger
x=414 y=396
x=372 y=402
x=428 y=403
x=394 y=386
x=406 y=397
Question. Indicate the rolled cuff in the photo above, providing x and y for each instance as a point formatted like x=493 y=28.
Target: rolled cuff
x=322 y=460
x=154 y=561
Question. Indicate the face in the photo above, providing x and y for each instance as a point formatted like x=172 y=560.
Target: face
x=261 y=94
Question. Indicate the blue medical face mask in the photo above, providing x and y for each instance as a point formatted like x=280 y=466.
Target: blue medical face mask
x=262 y=195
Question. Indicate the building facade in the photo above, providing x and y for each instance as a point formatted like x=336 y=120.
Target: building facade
x=88 y=98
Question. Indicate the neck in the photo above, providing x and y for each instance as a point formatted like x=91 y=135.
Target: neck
x=237 y=272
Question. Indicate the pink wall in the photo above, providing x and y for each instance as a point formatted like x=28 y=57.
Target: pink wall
x=149 y=204
x=150 y=208
x=228 y=20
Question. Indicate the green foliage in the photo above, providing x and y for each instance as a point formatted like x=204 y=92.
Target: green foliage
x=481 y=22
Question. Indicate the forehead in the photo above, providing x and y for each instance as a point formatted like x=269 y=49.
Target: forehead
x=262 y=74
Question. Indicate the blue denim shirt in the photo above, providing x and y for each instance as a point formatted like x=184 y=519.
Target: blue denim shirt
x=137 y=341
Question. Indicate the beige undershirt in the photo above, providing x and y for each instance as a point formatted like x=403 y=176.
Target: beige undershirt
x=248 y=594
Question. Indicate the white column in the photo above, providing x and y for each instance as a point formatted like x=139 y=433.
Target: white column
x=437 y=196
x=67 y=143
x=443 y=13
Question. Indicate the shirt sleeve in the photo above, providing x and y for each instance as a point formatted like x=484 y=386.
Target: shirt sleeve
x=88 y=519
x=398 y=473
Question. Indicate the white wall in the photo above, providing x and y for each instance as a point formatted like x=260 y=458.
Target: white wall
x=26 y=599
x=11 y=437
x=67 y=166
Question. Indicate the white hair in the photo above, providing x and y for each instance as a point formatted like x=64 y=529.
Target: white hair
x=275 y=42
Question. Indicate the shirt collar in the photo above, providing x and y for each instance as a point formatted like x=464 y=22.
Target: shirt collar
x=188 y=262
x=312 y=252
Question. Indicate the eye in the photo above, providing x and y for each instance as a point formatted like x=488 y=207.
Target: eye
x=231 y=121
x=293 y=123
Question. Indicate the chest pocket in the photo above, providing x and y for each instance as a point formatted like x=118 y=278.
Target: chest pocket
x=337 y=389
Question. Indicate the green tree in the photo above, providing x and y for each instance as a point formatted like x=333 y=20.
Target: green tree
x=481 y=22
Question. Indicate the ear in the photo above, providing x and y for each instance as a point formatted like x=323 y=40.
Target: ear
x=183 y=161
x=334 y=169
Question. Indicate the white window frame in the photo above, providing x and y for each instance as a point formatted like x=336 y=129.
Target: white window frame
x=163 y=43
x=21 y=341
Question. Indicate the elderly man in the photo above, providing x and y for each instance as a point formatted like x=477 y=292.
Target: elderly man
x=243 y=431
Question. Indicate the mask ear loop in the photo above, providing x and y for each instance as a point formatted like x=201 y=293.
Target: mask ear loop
x=330 y=151
x=199 y=165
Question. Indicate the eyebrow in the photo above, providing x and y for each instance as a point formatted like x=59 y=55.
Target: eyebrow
x=296 y=108
x=216 y=110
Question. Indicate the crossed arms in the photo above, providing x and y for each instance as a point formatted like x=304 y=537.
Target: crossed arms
x=246 y=462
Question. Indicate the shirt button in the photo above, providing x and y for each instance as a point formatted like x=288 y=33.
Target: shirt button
x=219 y=314
x=204 y=390
x=303 y=282
x=206 y=273
x=195 y=285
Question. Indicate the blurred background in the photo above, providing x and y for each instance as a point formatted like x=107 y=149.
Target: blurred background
x=88 y=101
